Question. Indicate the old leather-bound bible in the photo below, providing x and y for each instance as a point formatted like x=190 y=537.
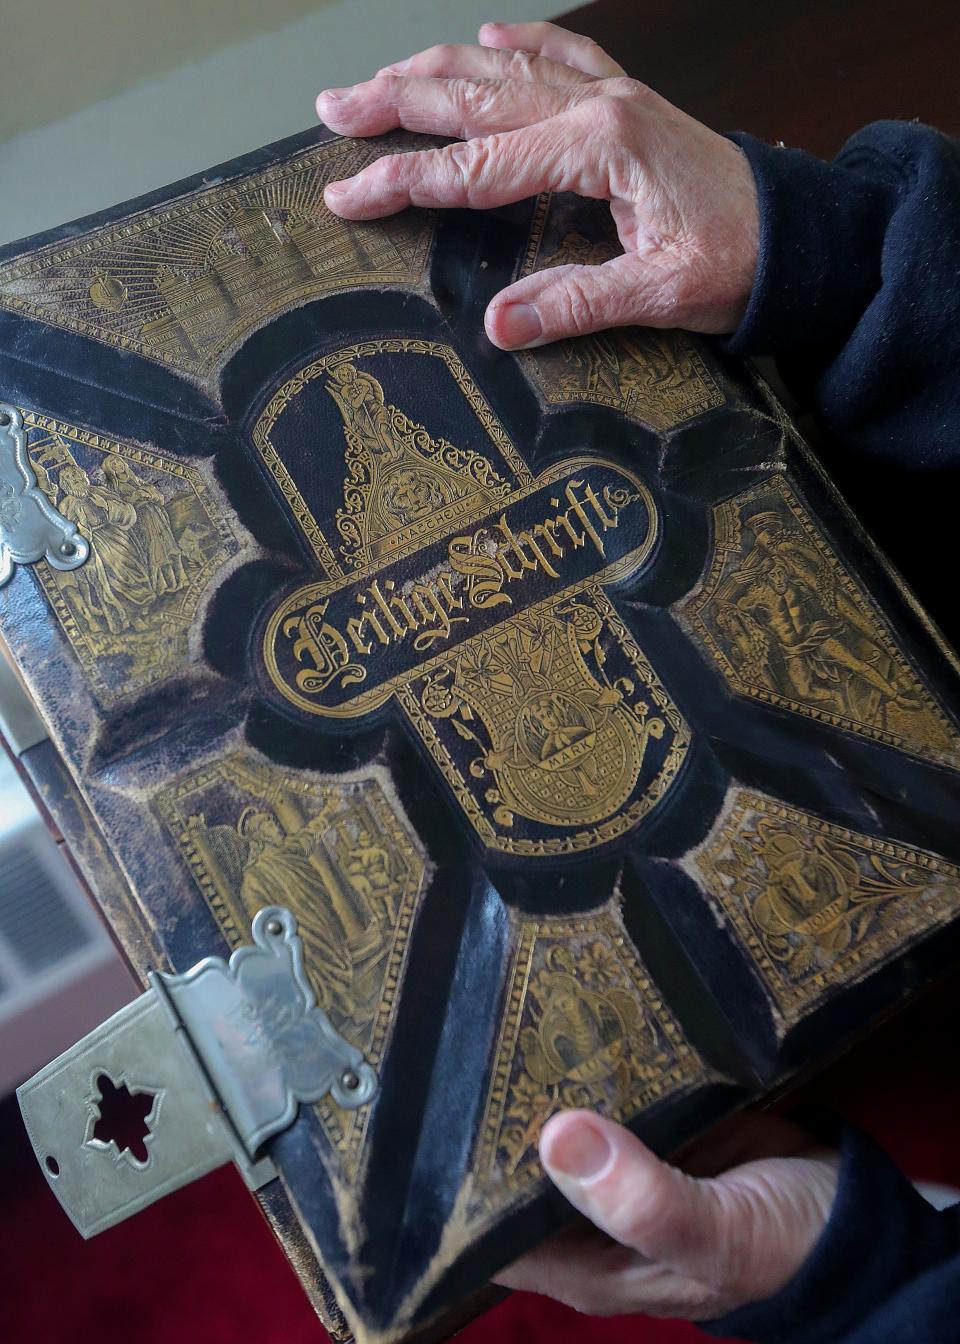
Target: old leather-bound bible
x=556 y=698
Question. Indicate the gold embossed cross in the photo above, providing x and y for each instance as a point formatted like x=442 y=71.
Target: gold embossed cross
x=473 y=593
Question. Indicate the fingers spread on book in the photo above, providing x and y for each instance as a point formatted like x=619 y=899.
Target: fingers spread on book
x=574 y=300
x=481 y=173
x=459 y=106
x=683 y=199
x=547 y=39
x=452 y=60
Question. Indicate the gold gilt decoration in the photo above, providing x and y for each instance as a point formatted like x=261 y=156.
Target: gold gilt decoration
x=402 y=486
x=815 y=905
x=786 y=624
x=478 y=603
x=656 y=377
x=583 y=1025
x=340 y=857
x=557 y=740
x=157 y=538
x=183 y=283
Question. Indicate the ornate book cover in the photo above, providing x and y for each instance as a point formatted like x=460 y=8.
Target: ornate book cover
x=600 y=757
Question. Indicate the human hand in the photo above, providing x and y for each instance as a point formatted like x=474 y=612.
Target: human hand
x=536 y=108
x=667 y=1242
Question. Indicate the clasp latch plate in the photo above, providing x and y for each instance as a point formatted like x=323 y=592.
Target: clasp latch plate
x=31 y=528
x=216 y=1060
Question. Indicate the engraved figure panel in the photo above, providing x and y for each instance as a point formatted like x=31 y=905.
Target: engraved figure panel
x=185 y=282
x=157 y=538
x=340 y=857
x=815 y=905
x=654 y=376
x=787 y=624
x=583 y=1026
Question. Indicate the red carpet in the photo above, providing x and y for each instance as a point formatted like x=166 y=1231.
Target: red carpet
x=201 y=1267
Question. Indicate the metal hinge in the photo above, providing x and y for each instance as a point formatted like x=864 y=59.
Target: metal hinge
x=201 y=1070
x=30 y=527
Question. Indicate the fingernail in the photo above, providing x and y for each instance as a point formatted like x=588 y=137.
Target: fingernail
x=580 y=1152
x=335 y=189
x=336 y=95
x=397 y=68
x=519 y=324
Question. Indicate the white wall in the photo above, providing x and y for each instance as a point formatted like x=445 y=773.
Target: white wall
x=203 y=112
x=79 y=52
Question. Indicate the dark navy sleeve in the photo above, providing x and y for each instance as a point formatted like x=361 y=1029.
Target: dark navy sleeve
x=886 y=1268
x=857 y=297
x=857 y=291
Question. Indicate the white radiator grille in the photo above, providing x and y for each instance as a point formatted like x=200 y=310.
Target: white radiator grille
x=59 y=972
x=38 y=924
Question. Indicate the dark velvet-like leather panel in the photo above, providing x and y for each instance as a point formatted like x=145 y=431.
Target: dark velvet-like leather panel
x=599 y=756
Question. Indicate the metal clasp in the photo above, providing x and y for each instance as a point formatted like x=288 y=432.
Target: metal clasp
x=215 y=1062
x=30 y=527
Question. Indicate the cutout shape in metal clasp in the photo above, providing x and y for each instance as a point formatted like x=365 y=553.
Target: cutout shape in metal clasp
x=31 y=529
x=201 y=1070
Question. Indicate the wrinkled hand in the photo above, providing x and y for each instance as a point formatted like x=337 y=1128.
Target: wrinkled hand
x=671 y=1243
x=536 y=108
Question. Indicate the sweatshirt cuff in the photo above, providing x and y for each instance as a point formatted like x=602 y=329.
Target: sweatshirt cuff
x=821 y=239
x=880 y=1234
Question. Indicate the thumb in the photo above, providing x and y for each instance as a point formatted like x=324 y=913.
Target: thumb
x=566 y=301
x=627 y=1192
